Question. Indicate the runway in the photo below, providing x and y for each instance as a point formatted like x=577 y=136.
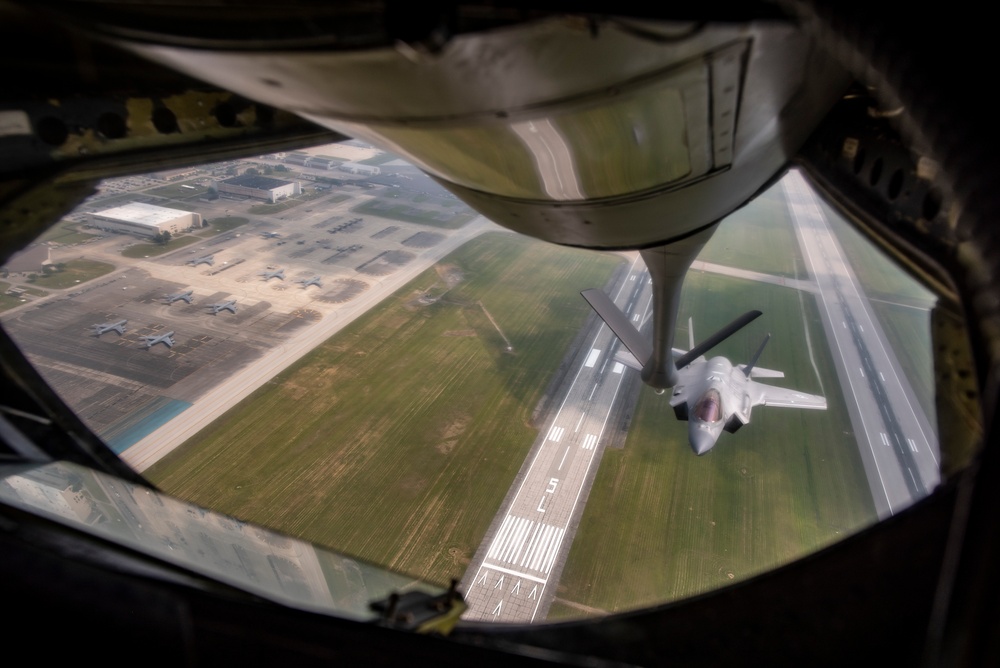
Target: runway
x=513 y=576
x=897 y=443
x=526 y=546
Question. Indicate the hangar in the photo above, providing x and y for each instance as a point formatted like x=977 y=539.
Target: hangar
x=259 y=187
x=145 y=220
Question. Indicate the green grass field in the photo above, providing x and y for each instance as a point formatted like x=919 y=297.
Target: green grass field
x=178 y=191
x=74 y=272
x=379 y=159
x=220 y=225
x=7 y=301
x=408 y=214
x=396 y=440
x=758 y=237
x=662 y=524
x=153 y=250
x=65 y=233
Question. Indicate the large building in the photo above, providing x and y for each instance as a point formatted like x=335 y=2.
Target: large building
x=145 y=220
x=259 y=187
x=358 y=168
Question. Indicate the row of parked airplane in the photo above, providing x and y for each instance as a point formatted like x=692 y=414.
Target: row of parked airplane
x=280 y=274
x=229 y=305
x=268 y=275
x=187 y=296
x=147 y=341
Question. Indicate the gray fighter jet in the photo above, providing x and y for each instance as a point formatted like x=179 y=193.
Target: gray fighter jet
x=223 y=306
x=205 y=259
x=306 y=282
x=186 y=296
x=150 y=341
x=277 y=273
x=119 y=327
x=270 y=235
x=712 y=395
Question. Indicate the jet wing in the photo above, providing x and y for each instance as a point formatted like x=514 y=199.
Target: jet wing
x=781 y=397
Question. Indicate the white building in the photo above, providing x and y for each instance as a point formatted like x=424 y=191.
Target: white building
x=259 y=187
x=358 y=168
x=145 y=220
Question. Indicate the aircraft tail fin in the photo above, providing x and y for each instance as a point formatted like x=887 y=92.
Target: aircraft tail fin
x=748 y=369
x=619 y=324
x=717 y=338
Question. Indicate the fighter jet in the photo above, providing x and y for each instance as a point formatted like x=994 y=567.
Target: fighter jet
x=150 y=341
x=186 y=296
x=205 y=259
x=223 y=306
x=268 y=275
x=270 y=235
x=306 y=282
x=119 y=327
x=712 y=395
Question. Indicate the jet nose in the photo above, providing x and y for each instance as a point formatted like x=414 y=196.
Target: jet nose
x=701 y=441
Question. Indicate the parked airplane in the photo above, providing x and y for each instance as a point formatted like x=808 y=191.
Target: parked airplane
x=712 y=395
x=268 y=275
x=150 y=341
x=186 y=296
x=306 y=282
x=223 y=306
x=270 y=235
x=206 y=259
x=109 y=327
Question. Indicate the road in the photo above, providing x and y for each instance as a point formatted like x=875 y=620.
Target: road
x=898 y=445
x=527 y=544
x=241 y=384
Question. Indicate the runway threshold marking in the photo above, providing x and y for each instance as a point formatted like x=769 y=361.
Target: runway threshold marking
x=556 y=433
x=589 y=442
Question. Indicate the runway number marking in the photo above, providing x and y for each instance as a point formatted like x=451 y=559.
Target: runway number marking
x=913 y=445
x=885 y=439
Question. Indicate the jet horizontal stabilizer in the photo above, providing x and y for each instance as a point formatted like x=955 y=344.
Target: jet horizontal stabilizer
x=715 y=339
x=620 y=324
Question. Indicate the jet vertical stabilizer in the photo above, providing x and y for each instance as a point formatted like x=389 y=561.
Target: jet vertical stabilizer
x=748 y=369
